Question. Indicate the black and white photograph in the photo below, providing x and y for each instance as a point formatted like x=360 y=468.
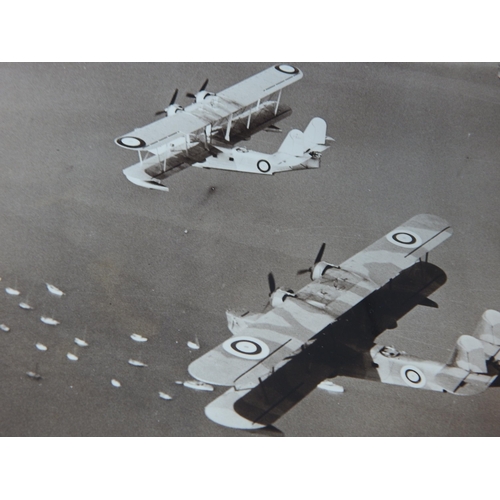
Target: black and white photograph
x=239 y=249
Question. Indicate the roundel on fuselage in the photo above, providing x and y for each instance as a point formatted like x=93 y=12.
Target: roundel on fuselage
x=264 y=166
x=413 y=376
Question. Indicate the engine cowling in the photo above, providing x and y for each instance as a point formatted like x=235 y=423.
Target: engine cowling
x=319 y=269
x=279 y=296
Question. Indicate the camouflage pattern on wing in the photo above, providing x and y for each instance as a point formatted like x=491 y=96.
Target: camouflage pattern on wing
x=261 y=343
x=399 y=249
x=341 y=287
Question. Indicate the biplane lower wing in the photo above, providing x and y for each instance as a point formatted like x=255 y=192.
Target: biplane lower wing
x=348 y=307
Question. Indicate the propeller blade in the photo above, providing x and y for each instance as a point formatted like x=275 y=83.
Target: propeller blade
x=303 y=271
x=174 y=97
x=160 y=112
x=320 y=254
x=191 y=95
x=204 y=86
x=272 y=283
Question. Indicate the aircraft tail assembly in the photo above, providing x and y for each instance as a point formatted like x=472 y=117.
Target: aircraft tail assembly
x=299 y=151
x=312 y=141
x=475 y=353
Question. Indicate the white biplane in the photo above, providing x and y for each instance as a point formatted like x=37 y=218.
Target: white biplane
x=203 y=134
x=327 y=329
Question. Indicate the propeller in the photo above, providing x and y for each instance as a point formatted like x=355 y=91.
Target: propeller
x=202 y=89
x=272 y=283
x=316 y=260
x=172 y=101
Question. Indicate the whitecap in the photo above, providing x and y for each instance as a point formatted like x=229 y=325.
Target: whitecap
x=49 y=321
x=54 y=290
x=134 y=362
x=138 y=338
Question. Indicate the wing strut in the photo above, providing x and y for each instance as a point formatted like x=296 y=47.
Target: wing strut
x=228 y=131
x=250 y=115
x=277 y=103
x=208 y=134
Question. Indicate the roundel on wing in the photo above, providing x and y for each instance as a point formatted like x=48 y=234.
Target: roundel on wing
x=131 y=142
x=246 y=347
x=287 y=68
x=413 y=376
x=404 y=238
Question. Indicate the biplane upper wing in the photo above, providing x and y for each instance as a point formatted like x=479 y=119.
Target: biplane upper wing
x=223 y=105
x=263 y=344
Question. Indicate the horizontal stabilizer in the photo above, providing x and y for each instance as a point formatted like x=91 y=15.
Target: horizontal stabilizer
x=488 y=328
x=469 y=355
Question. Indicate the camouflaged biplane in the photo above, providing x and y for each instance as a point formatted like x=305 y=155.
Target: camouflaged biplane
x=327 y=329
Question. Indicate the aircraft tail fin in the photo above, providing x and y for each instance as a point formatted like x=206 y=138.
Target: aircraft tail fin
x=313 y=138
x=315 y=132
x=469 y=355
x=293 y=143
x=488 y=327
x=472 y=352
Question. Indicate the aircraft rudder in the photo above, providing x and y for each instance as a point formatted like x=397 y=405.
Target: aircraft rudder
x=293 y=143
x=315 y=132
x=488 y=327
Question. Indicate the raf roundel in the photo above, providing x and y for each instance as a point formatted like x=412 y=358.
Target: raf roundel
x=264 y=166
x=131 y=142
x=404 y=238
x=287 y=68
x=246 y=347
x=413 y=376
